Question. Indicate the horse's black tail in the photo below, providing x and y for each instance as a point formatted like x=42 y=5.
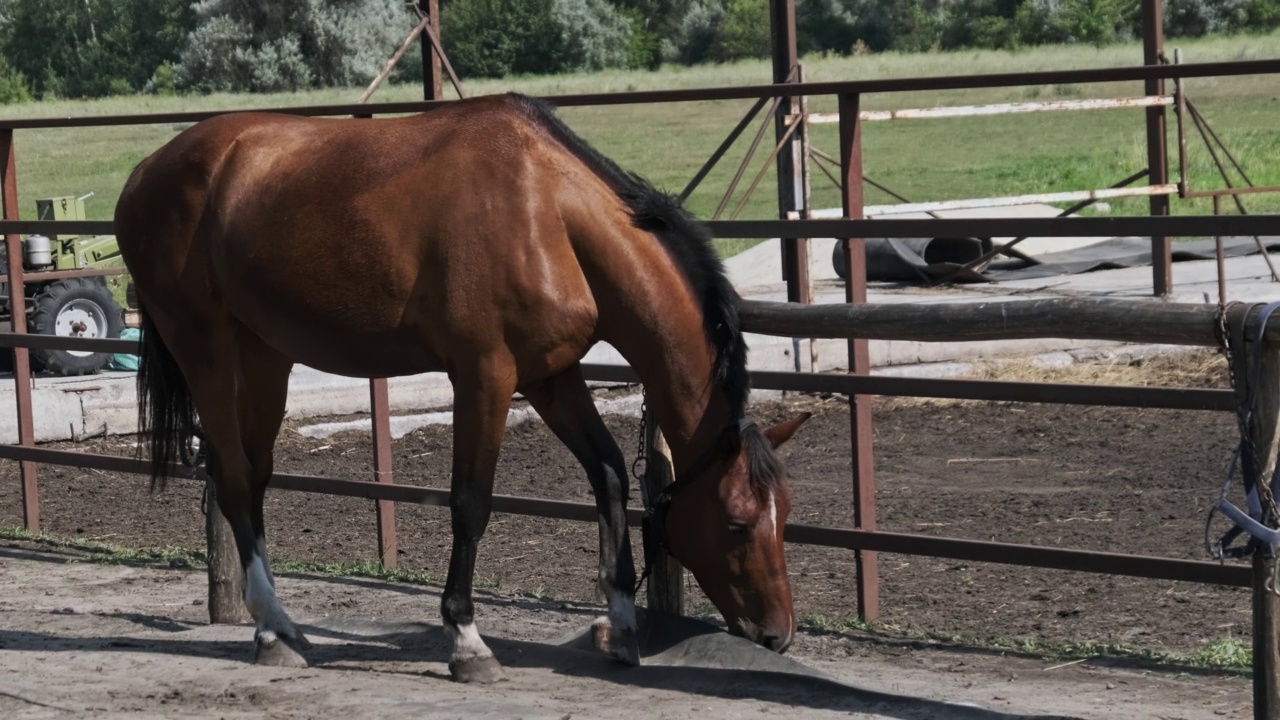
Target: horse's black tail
x=166 y=414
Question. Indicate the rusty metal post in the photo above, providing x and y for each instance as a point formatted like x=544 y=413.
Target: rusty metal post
x=864 y=483
x=795 y=251
x=1180 y=111
x=1157 y=150
x=666 y=576
x=380 y=409
x=22 y=356
x=432 y=70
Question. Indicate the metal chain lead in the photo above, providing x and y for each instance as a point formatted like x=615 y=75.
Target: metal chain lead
x=639 y=466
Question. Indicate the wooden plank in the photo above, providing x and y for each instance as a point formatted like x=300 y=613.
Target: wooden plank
x=1139 y=321
x=666 y=575
x=860 y=434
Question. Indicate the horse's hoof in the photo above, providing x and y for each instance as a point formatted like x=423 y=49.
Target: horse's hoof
x=483 y=670
x=619 y=644
x=281 y=652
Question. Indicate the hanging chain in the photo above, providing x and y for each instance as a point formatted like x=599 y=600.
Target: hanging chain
x=641 y=463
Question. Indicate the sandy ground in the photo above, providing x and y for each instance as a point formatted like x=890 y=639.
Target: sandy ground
x=79 y=639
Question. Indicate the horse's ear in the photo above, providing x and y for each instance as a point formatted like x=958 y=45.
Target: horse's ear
x=782 y=432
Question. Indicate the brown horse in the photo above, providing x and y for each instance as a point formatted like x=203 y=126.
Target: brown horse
x=482 y=239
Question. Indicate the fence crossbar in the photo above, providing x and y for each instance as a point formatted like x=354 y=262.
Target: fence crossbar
x=909 y=544
x=741 y=92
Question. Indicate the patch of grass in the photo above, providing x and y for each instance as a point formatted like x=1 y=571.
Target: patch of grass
x=362 y=569
x=1225 y=655
x=842 y=625
x=105 y=554
x=175 y=557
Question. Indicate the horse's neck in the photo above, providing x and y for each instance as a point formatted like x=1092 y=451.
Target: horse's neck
x=690 y=418
x=659 y=330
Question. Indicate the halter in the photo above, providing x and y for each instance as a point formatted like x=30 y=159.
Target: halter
x=654 y=521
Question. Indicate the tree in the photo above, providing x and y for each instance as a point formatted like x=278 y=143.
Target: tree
x=744 y=32
x=272 y=45
x=494 y=38
x=91 y=48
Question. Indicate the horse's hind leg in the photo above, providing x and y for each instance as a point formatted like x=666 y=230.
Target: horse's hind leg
x=482 y=392
x=239 y=388
x=261 y=395
x=565 y=403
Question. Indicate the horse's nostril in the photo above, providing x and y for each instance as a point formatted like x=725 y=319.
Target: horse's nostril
x=776 y=643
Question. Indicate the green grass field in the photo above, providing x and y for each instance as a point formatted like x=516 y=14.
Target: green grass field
x=922 y=159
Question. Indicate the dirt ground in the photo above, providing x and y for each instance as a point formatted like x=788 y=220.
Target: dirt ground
x=89 y=640
x=1094 y=478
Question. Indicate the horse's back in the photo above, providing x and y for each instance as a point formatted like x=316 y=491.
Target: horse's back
x=411 y=238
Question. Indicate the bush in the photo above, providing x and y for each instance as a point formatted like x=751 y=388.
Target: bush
x=594 y=35
x=644 y=49
x=744 y=31
x=14 y=87
x=494 y=38
x=698 y=30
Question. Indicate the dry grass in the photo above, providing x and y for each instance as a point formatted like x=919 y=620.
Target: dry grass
x=1193 y=368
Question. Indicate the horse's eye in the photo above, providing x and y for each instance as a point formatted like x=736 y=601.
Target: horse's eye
x=738 y=528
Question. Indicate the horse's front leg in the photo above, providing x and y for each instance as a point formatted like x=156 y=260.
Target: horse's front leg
x=565 y=403
x=482 y=398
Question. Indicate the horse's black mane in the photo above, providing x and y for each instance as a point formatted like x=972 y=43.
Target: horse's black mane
x=689 y=242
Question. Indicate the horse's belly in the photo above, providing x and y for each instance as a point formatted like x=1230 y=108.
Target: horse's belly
x=357 y=354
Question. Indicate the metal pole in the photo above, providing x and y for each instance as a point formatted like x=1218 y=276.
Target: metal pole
x=864 y=483
x=1180 y=110
x=795 y=252
x=21 y=356
x=432 y=75
x=380 y=407
x=1157 y=152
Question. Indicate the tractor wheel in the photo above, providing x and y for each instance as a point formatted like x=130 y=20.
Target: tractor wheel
x=76 y=307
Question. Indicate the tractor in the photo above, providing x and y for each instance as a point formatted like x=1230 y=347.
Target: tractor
x=68 y=307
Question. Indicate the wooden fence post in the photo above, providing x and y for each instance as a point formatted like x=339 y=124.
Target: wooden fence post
x=226 y=577
x=666 y=576
x=1257 y=375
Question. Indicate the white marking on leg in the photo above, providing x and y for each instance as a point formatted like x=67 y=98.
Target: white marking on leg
x=260 y=598
x=467 y=644
x=622 y=612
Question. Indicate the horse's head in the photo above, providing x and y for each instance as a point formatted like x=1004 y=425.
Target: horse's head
x=724 y=521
